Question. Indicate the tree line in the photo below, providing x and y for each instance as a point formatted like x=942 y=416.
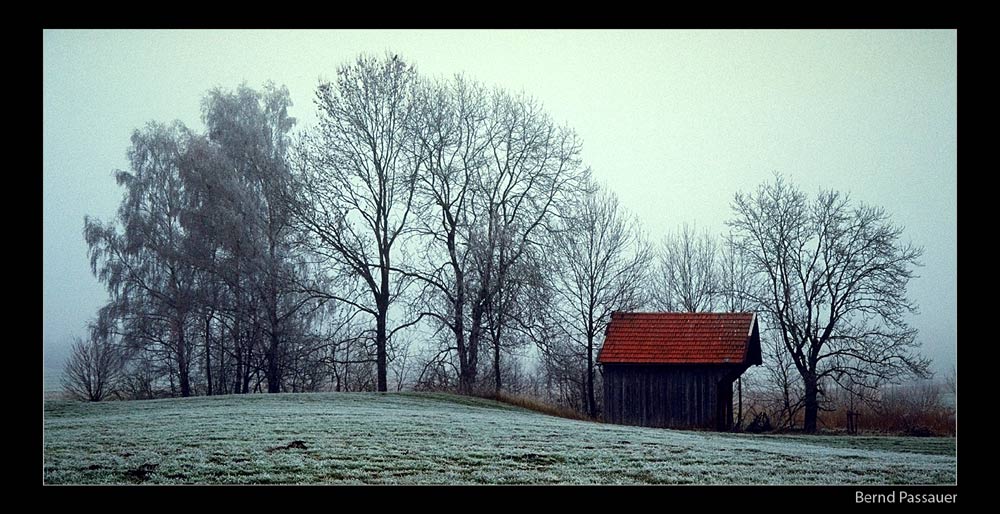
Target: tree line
x=426 y=232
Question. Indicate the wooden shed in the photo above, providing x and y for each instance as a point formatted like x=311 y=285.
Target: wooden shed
x=671 y=369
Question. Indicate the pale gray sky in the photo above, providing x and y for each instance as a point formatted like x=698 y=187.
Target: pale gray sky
x=675 y=122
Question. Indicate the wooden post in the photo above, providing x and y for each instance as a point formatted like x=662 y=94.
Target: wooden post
x=852 y=415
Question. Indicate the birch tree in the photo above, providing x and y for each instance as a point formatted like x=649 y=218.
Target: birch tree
x=141 y=256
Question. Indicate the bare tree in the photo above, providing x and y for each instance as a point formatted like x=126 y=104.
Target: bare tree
x=951 y=382
x=688 y=278
x=917 y=408
x=533 y=169
x=736 y=287
x=496 y=169
x=835 y=278
x=140 y=376
x=452 y=132
x=94 y=369
x=516 y=303
x=357 y=182
x=736 y=283
x=563 y=369
x=600 y=261
x=401 y=365
x=780 y=389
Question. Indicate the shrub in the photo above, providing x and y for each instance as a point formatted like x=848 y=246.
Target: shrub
x=530 y=403
x=761 y=423
x=94 y=369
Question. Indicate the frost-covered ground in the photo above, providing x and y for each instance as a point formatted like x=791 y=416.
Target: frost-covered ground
x=367 y=438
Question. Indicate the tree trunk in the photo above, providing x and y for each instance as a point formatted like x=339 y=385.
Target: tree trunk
x=273 y=366
x=237 y=326
x=247 y=370
x=811 y=404
x=222 y=377
x=182 y=362
x=238 y=372
x=459 y=315
x=459 y=328
x=208 y=353
x=496 y=363
x=380 y=352
x=463 y=360
x=238 y=350
x=475 y=334
x=347 y=370
x=273 y=357
x=591 y=401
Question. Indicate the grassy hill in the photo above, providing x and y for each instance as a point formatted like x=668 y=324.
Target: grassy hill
x=414 y=438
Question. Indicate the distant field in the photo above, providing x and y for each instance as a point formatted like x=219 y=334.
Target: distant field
x=51 y=380
x=411 y=438
x=52 y=388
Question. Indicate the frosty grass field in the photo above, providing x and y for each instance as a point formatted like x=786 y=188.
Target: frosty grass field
x=415 y=438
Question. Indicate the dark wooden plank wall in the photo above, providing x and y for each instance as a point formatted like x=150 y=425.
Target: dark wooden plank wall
x=669 y=396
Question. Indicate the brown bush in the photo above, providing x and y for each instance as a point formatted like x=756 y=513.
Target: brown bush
x=537 y=405
x=922 y=408
x=917 y=409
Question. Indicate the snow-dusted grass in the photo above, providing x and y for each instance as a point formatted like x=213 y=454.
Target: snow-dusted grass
x=411 y=438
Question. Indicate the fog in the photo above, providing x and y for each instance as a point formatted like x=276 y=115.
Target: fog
x=675 y=122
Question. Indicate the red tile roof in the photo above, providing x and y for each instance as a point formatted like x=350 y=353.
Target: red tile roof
x=677 y=338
